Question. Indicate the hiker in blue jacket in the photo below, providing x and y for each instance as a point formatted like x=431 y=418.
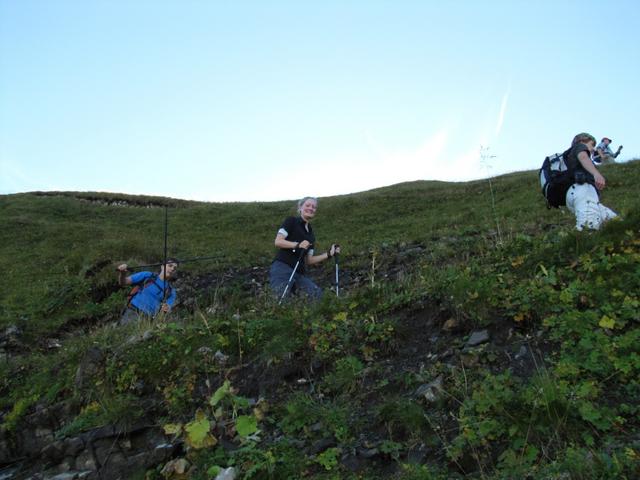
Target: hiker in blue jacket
x=151 y=294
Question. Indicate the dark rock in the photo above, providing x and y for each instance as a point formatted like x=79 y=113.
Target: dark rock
x=321 y=445
x=105 y=451
x=89 y=367
x=352 y=463
x=144 y=437
x=163 y=451
x=11 y=336
x=477 y=338
x=220 y=357
x=367 y=452
x=521 y=353
x=54 y=451
x=53 y=343
x=417 y=456
x=8 y=473
x=447 y=353
x=5 y=456
x=316 y=427
x=75 y=475
x=430 y=391
x=139 y=461
x=470 y=360
x=99 y=433
x=86 y=461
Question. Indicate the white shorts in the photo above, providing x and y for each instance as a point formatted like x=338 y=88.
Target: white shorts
x=583 y=201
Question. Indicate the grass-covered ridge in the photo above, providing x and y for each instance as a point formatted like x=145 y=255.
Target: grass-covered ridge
x=555 y=391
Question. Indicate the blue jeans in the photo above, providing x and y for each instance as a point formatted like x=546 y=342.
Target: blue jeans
x=279 y=275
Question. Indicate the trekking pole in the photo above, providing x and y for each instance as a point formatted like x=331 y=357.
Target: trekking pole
x=290 y=282
x=164 y=267
x=337 y=275
x=186 y=260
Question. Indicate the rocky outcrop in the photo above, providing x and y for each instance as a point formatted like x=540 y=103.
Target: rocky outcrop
x=105 y=453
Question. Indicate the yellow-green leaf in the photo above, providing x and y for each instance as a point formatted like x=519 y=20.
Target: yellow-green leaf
x=220 y=393
x=606 y=322
x=172 y=428
x=340 y=317
x=246 y=425
x=198 y=435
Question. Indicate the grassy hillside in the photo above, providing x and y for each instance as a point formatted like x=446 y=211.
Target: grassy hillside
x=337 y=390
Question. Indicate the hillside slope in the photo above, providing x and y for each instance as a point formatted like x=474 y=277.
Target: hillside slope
x=478 y=335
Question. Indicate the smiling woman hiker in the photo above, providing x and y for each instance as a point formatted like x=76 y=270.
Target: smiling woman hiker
x=295 y=240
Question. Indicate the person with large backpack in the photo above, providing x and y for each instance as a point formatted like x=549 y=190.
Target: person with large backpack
x=573 y=180
x=151 y=293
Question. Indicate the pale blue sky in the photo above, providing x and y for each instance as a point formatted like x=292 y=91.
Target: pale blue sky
x=249 y=100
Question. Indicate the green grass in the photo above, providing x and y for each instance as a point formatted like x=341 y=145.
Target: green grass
x=505 y=263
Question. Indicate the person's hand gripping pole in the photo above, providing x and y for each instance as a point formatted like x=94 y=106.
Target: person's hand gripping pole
x=334 y=252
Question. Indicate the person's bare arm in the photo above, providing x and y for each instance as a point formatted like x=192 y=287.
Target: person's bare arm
x=587 y=164
x=315 y=259
x=123 y=279
x=282 y=242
